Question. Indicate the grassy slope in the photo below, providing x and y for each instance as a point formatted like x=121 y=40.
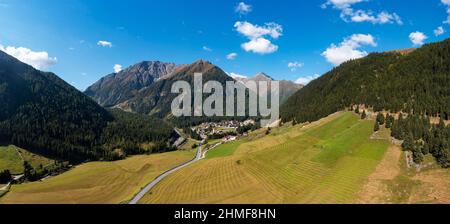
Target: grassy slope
x=326 y=162
x=223 y=150
x=98 y=182
x=11 y=160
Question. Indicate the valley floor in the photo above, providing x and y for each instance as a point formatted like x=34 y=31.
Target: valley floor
x=335 y=160
x=97 y=182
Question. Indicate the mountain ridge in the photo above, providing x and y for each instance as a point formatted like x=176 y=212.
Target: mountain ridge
x=118 y=87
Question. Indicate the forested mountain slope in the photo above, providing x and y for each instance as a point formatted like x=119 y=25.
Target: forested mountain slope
x=417 y=82
x=42 y=113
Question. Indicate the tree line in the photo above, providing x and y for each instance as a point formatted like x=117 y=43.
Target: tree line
x=420 y=136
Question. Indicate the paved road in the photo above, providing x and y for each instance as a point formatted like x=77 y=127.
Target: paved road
x=5 y=187
x=147 y=188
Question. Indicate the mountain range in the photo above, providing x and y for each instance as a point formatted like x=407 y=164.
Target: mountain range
x=145 y=88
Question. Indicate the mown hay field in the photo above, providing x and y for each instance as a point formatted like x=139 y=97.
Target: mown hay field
x=97 y=182
x=328 y=161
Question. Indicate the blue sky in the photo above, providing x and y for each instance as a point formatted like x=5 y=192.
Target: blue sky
x=312 y=36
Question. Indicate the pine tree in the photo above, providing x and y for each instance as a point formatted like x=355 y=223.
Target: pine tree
x=389 y=121
x=380 y=119
x=377 y=127
x=417 y=153
x=408 y=144
x=426 y=149
x=363 y=115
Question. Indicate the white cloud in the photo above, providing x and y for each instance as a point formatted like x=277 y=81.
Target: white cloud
x=447 y=4
x=368 y=16
x=295 y=65
x=205 y=48
x=348 y=14
x=258 y=36
x=439 y=31
x=254 y=31
x=349 y=49
x=341 y=4
x=306 y=79
x=417 y=38
x=104 y=43
x=260 y=46
x=117 y=68
x=39 y=60
x=232 y=56
x=243 y=8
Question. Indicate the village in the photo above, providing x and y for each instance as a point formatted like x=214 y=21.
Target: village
x=225 y=130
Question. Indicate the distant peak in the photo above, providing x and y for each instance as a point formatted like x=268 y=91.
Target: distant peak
x=263 y=76
x=202 y=62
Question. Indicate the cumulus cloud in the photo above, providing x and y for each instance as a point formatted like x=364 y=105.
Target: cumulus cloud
x=104 y=43
x=417 y=38
x=254 y=31
x=243 y=8
x=117 y=68
x=447 y=4
x=260 y=46
x=232 y=56
x=349 y=14
x=439 y=31
x=205 y=48
x=306 y=79
x=39 y=60
x=368 y=16
x=295 y=65
x=258 y=36
x=349 y=49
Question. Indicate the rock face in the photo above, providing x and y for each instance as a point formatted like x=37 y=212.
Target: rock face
x=119 y=87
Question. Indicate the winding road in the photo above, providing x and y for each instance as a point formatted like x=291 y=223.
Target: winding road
x=161 y=177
